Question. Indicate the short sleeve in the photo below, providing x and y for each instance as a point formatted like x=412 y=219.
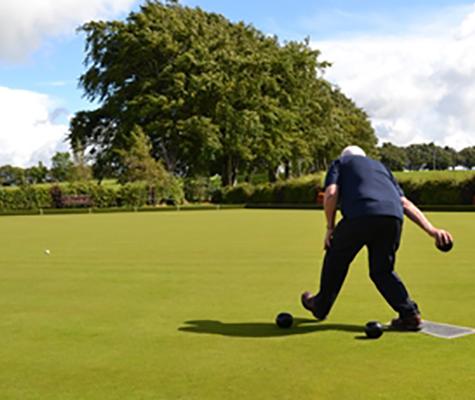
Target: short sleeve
x=333 y=174
x=395 y=183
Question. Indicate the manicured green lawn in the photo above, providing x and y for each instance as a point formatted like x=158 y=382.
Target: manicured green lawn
x=181 y=305
x=435 y=175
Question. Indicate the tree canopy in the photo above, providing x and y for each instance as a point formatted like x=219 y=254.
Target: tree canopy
x=138 y=164
x=212 y=96
x=426 y=156
x=62 y=167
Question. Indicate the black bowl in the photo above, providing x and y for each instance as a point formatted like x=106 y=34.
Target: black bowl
x=445 y=247
x=374 y=329
x=284 y=320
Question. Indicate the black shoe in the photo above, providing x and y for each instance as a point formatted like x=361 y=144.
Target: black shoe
x=410 y=323
x=308 y=302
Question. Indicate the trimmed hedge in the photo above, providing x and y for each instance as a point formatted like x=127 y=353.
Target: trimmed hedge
x=25 y=198
x=294 y=191
x=301 y=191
x=428 y=191
x=440 y=191
x=129 y=195
x=132 y=195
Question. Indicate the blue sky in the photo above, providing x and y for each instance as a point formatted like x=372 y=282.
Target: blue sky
x=325 y=19
x=407 y=63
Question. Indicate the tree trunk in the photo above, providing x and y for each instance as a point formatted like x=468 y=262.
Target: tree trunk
x=152 y=196
x=249 y=174
x=272 y=175
x=227 y=175
x=287 y=169
x=170 y=159
x=234 y=174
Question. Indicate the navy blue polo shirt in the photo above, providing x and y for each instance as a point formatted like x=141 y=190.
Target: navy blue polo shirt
x=366 y=187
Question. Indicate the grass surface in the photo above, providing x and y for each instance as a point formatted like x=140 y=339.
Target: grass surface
x=181 y=306
x=435 y=175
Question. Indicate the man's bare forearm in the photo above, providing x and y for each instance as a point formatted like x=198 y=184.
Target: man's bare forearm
x=417 y=216
x=330 y=205
x=330 y=202
x=441 y=236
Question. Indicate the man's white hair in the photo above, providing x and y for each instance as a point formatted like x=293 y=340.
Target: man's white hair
x=353 y=151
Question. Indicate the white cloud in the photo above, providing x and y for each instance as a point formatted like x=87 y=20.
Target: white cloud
x=416 y=87
x=32 y=125
x=55 y=83
x=24 y=25
x=28 y=132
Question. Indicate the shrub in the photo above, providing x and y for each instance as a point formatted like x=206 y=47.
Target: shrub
x=170 y=191
x=294 y=191
x=298 y=191
x=104 y=197
x=25 y=198
x=201 y=189
x=217 y=197
x=262 y=194
x=133 y=195
x=56 y=196
x=422 y=189
x=238 y=194
x=36 y=197
x=196 y=189
x=438 y=191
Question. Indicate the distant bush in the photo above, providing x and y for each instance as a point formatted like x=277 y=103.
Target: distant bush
x=169 y=192
x=25 y=198
x=439 y=191
x=263 y=193
x=104 y=197
x=238 y=194
x=132 y=195
x=33 y=197
x=201 y=189
x=298 y=191
x=420 y=188
x=294 y=191
x=56 y=197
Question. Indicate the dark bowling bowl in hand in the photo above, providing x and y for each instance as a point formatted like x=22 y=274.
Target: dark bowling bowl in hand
x=445 y=247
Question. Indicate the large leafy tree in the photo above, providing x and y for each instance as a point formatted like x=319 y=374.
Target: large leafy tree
x=466 y=157
x=420 y=156
x=212 y=96
x=10 y=175
x=138 y=164
x=430 y=156
x=347 y=125
x=37 y=173
x=62 y=167
x=394 y=157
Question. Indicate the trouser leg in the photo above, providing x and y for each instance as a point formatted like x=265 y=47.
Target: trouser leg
x=382 y=256
x=346 y=243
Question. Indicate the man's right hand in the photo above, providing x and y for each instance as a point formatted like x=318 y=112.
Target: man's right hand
x=442 y=237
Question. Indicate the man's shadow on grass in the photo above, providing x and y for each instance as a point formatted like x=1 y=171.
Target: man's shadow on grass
x=265 y=329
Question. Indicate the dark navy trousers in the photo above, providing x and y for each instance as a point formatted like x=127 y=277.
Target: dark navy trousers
x=381 y=235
